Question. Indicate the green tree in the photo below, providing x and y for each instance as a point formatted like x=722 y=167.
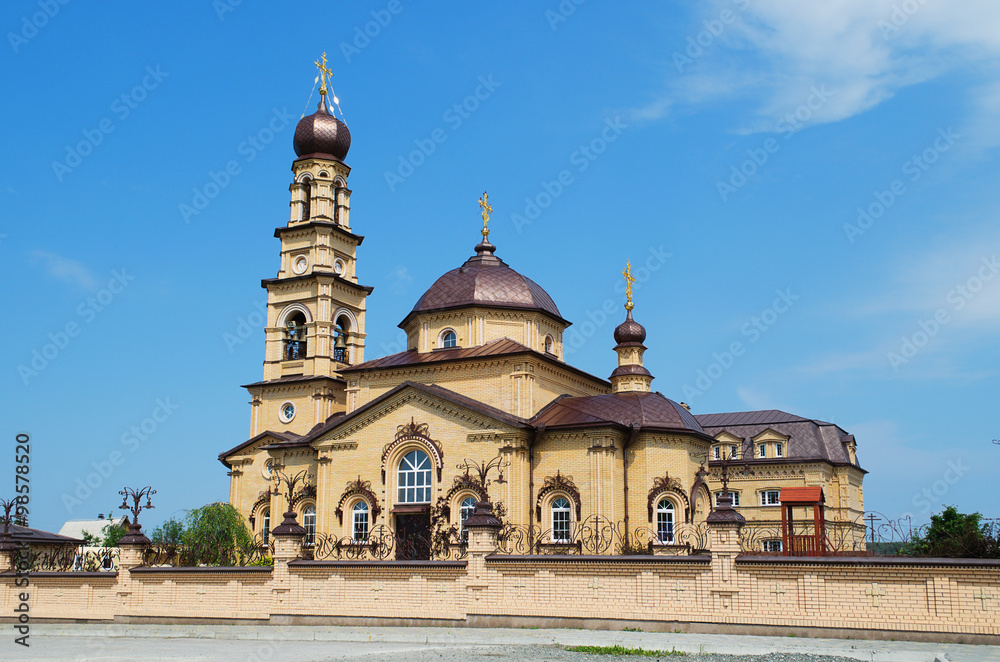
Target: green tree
x=113 y=533
x=956 y=535
x=170 y=533
x=216 y=534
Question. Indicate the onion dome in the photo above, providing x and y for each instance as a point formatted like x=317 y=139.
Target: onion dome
x=322 y=135
x=485 y=280
x=630 y=331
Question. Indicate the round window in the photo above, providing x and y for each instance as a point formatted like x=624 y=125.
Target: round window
x=287 y=412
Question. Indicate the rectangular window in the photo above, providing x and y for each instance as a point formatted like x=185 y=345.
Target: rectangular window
x=560 y=525
x=732 y=452
x=779 y=450
x=735 y=495
x=717 y=453
x=761 y=450
x=360 y=525
x=770 y=498
x=772 y=545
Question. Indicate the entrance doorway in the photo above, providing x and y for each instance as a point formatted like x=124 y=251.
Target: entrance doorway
x=413 y=536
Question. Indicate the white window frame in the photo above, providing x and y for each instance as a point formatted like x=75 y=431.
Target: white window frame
x=413 y=477
x=733 y=452
x=549 y=344
x=561 y=512
x=667 y=510
x=766 y=501
x=733 y=493
x=761 y=450
x=717 y=452
x=445 y=336
x=465 y=510
x=265 y=522
x=309 y=523
x=771 y=545
x=359 y=520
x=779 y=449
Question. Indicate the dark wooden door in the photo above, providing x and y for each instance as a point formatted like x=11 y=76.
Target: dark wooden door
x=413 y=536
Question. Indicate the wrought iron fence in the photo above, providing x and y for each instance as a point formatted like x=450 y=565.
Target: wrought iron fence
x=383 y=544
x=870 y=534
x=599 y=535
x=251 y=553
x=71 y=559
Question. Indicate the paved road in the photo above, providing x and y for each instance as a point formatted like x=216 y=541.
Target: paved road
x=152 y=643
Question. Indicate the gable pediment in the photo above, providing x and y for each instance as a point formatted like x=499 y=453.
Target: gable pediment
x=771 y=434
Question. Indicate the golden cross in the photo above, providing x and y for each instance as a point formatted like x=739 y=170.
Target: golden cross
x=323 y=72
x=487 y=209
x=629 y=279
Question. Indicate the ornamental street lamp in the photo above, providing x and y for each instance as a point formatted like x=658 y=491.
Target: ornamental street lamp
x=135 y=535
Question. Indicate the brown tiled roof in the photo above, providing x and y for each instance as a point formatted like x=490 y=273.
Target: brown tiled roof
x=501 y=347
x=809 y=439
x=645 y=410
x=485 y=280
x=283 y=436
x=37 y=536
x=293 y=378
x=801 y=495
x=443 y=393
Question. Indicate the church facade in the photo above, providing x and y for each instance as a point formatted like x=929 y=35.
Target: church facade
x=482 y=404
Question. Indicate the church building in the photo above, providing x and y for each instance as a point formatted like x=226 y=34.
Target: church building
x=482 y=404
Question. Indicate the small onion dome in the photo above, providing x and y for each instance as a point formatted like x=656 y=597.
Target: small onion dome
x=630 y=331
x=322 y=135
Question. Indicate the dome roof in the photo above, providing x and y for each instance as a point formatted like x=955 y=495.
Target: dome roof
x=321 y=134
x=630 y=331
x=485 y=280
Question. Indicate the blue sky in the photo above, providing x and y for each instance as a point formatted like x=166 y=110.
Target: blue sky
x=813 y=181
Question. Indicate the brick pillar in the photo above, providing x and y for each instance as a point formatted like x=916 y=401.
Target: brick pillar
x=483 y=528
x=131 y=548
x=288 y=538
x=724 y=526
x=8 y=551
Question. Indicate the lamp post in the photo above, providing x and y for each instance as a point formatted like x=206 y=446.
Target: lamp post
x=135 y=535
x=484 y=468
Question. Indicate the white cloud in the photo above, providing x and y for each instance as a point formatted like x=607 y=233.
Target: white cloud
x=65 y=269
x=864 y=51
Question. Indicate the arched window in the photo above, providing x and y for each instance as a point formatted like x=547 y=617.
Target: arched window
x=360 y=529
x=560 y=520
x=309 y=523
x=449 y=339
x=550 y=345
x=415 y=478
x=340 y=341
x=295 y=337
x=266 y=524
x=468 y=506
x=306 y=198
x=665 y=521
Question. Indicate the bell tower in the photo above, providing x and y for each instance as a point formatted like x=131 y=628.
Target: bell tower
x=315 y=305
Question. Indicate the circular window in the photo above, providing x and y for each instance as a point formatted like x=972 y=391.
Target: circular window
x=338 y=267
x=268 y=469
x=300 y=264
x=287 y=412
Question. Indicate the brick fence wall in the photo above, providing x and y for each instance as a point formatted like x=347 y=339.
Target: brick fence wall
x=941 y=599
